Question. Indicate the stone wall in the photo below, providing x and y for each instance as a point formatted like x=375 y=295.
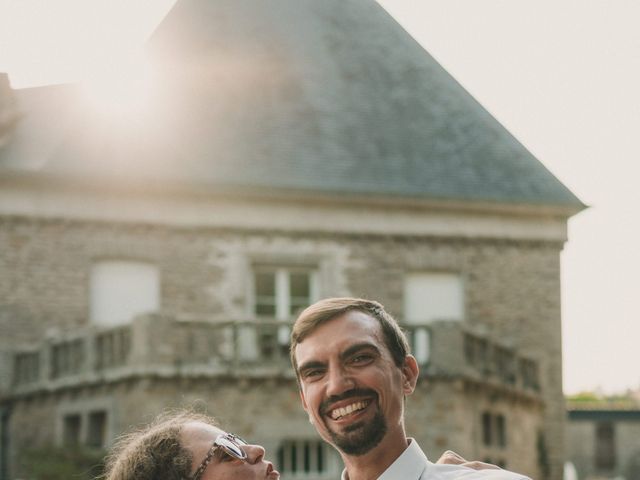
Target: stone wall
x=512 y=291
x=444 y=414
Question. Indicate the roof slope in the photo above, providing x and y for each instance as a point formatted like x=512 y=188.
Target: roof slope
x=45 y=116
x=329 y=96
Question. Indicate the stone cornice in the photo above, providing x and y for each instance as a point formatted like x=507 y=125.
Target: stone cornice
x=35 y=195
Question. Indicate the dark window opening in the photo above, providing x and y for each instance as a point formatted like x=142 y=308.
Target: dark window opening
x=605 y=454
x=294 y=457
x=71 y=425
x=265 y=294
x=307 y=457
x=501 y=432
x=96 y=434
x=300 y=292
x=487 y=434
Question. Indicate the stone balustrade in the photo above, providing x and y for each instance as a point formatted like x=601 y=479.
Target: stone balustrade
x=161 y=345
x=458 y=350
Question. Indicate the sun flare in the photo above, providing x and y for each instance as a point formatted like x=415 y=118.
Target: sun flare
x=123 y=88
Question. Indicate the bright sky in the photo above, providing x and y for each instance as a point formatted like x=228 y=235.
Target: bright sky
x=561 y=76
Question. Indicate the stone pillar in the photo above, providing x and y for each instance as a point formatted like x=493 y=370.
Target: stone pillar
x=7 y=359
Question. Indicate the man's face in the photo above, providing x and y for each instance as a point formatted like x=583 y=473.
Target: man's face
x=350 y=386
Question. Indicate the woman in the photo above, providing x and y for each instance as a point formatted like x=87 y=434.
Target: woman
x=186 y=446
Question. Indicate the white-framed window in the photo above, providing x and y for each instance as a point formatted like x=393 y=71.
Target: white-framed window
x=308 y=459
x=430 y=297
x=119 y=290
x=282 y=292
x=278 y=293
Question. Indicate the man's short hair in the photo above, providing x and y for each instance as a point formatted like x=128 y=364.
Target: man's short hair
x=324 y=310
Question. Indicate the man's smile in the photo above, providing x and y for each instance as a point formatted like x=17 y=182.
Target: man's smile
x=351 y=409
x=349 y=406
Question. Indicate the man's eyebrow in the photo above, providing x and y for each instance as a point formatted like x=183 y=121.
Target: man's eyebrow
x=358 y=347
x=311 y=364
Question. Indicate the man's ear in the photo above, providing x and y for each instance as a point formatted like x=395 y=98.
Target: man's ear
x=304 y=405
x=410 y=373
x=302 y=399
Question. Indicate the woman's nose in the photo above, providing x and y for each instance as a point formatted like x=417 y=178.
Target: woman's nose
x=255 y=453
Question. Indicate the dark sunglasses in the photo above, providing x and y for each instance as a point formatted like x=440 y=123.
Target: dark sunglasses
x=230 y=444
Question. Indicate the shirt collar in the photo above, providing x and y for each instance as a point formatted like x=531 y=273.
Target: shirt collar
x=409 y=465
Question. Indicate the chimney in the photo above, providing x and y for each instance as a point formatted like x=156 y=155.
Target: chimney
x=8 y=109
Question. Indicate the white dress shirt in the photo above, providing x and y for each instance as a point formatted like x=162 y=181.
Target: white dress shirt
x=414 y=465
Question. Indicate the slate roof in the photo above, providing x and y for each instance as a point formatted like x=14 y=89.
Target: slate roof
x=46 y=115
x=328 y=96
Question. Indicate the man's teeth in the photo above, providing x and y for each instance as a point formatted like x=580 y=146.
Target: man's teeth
x=343 y=411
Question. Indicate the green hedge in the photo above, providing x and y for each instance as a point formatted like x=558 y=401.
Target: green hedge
x=56 y=463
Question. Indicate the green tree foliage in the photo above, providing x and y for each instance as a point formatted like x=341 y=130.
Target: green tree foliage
x=584 y=397
x=598 y=400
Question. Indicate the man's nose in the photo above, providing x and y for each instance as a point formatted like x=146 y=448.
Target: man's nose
x=339 y=382
x=255 y=453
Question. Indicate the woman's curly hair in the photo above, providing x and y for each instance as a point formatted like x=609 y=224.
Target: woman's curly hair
x=154 y=452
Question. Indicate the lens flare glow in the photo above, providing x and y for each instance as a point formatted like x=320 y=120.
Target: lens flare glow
x=121 y=88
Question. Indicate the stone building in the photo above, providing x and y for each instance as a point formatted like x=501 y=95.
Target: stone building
x=603 y=441
x=291 y=150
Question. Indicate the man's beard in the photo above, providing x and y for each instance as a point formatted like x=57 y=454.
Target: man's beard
x=360 y=437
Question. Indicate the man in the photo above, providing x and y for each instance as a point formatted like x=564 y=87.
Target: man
x=354 y=371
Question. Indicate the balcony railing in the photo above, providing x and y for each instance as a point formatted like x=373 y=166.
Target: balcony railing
x=112 y=348
x=26 y=368
x=68 y=357
x=456 y=350
x=161 y=345
x=155 y=344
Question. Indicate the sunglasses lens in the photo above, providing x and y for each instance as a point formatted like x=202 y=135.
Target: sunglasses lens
x=237 y=439
x=232 y=447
